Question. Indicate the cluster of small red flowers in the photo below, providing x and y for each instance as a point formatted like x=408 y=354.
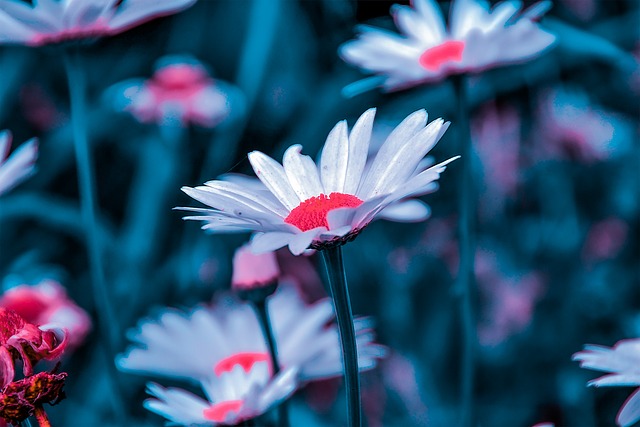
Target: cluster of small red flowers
x=27 y=343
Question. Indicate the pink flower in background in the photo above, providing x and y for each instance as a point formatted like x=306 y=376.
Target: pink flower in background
x=622 y=361
x=252 y=271
x=509 y=300
x=19 y=165
x=48 y=306
x=189 y=345
x=21 y=340
x=605 y=239
x=235 y=395
x=569 y=126
x=56 y=21
x=478 y=38
x=304 y=205
x=496 y=139
x=180 y=91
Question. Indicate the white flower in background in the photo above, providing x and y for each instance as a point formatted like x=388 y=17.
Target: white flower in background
x=212 y=340
x=478 y=38
x=239 y=394
x=56 y=21
x=180 y=91
x=622 y=361
x=306 y=205
x=19 y=165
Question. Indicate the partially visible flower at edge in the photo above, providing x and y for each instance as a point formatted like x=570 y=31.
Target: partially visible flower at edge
x=622 y=361
x=304 y=205
x=19 y=165
x=224 y=345
x=179 y=92
x=47 y=305
x=56 y=21
x=478 y=39
x=26 y=342
x=21 y=399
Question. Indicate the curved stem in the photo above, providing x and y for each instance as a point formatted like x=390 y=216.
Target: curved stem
x=465 y=285
x=344 y=316
x=107 y=321
x=41 y=416
x=263 y=316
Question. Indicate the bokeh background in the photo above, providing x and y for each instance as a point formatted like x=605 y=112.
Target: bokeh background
x=556 y=164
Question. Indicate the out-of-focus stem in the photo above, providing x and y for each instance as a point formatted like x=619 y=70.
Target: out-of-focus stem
x=465 y=285
x=108 y=324
x=41 y=416
x=263 y=316
x=344 y=316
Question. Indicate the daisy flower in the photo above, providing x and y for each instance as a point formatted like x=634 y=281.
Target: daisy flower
x=622 y=361
x=19 y=165
x=240 y=393
x=47 y=305
x=478 y=38
x=207 y=340
x=55 y=21
x=304 y=205
x=180 y=91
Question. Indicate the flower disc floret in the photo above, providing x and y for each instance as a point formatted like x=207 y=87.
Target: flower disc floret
x=313 y=212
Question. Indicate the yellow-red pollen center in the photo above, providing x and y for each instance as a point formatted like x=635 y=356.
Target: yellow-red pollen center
x=218 y=412
x=434 y=58
x=244 y=360
x=313 y=212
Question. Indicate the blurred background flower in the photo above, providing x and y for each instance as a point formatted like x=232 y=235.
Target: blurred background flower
x=555 y=161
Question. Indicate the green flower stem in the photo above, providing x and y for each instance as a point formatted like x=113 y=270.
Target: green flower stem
x=340 y=293
x=107 y=321
x=465 y=285
x=263 y=316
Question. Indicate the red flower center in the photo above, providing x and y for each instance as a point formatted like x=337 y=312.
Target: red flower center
x=219 y=411
x=313 y=212
x=245 y=360
x=434 y=58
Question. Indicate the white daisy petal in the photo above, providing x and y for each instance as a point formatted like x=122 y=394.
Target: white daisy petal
x=19 y=165
x=301 y=241
x=630 y=412
x=396 y=167
x=302 y=173
x=334 y=159
x=272 y=174
x=398 y=137
x=358 y=150
x=266 y=242
x=407 y=211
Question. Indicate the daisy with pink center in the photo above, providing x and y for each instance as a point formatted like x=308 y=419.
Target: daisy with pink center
x=47 y=305
x=304 y=205
x=207 y=340
x=180 y=91
x=56 y=21
x=17 y=166
x=223 y=348
x=622 y=361
x=478 y=38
